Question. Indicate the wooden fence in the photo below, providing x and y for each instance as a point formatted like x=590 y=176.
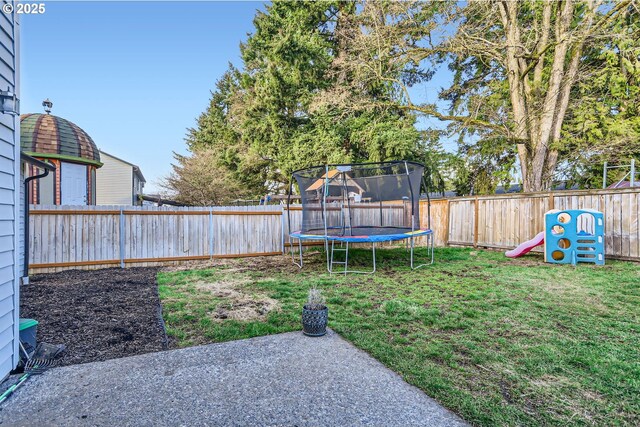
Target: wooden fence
x=106 y=236
x=506 y=220
x=63 y=237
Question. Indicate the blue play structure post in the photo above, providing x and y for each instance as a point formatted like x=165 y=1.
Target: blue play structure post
x=573 y=236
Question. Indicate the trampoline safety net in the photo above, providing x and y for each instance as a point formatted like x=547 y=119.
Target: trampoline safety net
x=370 y=199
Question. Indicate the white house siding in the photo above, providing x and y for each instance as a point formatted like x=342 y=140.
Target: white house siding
x=10 y=238
x=114 y=181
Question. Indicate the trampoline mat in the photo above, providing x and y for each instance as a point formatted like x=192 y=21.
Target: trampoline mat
x=360 y=234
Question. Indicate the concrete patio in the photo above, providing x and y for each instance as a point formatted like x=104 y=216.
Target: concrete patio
x=282 y=379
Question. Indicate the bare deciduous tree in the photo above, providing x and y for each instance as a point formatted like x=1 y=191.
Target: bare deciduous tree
x=515 y=64
x=197 y=181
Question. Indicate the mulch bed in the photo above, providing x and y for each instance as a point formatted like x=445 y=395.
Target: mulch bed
x=97 y=314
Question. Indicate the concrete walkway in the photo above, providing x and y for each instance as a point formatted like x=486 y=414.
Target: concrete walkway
x=286 y=379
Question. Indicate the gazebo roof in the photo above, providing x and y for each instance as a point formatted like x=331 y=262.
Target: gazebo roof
x=48 y=136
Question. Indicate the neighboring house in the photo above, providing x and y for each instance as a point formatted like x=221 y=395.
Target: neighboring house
x=10 y=213
x=70 y=149
x=625 y=184
x=333 y=180
x=118 y=182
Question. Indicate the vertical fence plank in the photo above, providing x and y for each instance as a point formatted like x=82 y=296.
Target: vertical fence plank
x=634 y=226
x=475 y=223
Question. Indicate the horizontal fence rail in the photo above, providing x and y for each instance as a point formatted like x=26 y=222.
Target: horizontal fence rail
x=64 y=237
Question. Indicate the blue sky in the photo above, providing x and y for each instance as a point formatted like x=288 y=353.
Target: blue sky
x=136 y=75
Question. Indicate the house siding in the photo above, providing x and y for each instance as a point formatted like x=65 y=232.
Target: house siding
x=10 y=214
x=138 y=186
x=114 y=182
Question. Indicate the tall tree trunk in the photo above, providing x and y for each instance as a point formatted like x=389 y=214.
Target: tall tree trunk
x=538 y=129
x=508 y=13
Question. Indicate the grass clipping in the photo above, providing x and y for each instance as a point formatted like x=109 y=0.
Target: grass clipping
x=236 y=304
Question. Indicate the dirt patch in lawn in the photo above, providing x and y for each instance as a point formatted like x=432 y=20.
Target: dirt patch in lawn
x=245 y=309
x=237 y=305
x=222 y=288
x=97 y=314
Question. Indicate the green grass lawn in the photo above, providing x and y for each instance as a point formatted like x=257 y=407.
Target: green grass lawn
x=498 y=341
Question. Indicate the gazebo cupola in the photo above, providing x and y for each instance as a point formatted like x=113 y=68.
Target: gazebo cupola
x=56 y=140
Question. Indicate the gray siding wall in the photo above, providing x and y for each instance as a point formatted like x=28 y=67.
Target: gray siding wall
x=10 y=238
x=114 y=182
x=138 y=190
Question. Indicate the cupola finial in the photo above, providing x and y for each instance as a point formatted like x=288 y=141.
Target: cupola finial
x=47 y=104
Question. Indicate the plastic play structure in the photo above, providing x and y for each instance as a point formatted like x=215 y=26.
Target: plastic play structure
x=569 y=237
x=358 y=203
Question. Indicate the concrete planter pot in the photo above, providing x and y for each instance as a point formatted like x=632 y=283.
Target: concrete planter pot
x=314 y=322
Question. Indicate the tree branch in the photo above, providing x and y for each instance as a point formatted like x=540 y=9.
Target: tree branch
x=537 y=63
x=544 y=42
x=466 y=120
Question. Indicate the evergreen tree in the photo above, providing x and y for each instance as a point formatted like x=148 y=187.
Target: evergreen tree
x=605 y=125
x=285 y=61
x=268 y=119
x=219 y=132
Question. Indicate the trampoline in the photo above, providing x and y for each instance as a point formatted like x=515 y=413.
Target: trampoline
x=358 y=203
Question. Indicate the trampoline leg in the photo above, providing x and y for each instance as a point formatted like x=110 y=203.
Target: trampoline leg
x=373 y=251
x=429 y=252
x=300 y=251
x=431 y=239
x=299 y=265
x=330 y=264
x=411 y=252
x=346 y=259
x=326 y=252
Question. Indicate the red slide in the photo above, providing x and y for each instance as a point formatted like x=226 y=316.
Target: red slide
x=525 y=247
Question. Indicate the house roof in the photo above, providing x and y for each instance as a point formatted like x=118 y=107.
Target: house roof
x=331 y=175
x=624 y=184
x=136 y=168
x=49 y=136
x=320 y=182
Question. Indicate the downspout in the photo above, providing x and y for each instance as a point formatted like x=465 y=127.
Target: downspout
x=47 y=167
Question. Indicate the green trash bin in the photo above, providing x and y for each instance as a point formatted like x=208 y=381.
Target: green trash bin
x=28 y=331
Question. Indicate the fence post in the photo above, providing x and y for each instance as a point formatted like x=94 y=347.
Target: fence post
x=448 y=221
x=446 y=230
x=551 y=201
x=121 y=238
x=282 y=227
x=210 y=233
x=475 y=222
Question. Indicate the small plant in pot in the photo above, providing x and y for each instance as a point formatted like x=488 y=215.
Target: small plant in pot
x=315 y=314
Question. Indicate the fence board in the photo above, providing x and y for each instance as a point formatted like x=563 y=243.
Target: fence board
x=634 y=226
